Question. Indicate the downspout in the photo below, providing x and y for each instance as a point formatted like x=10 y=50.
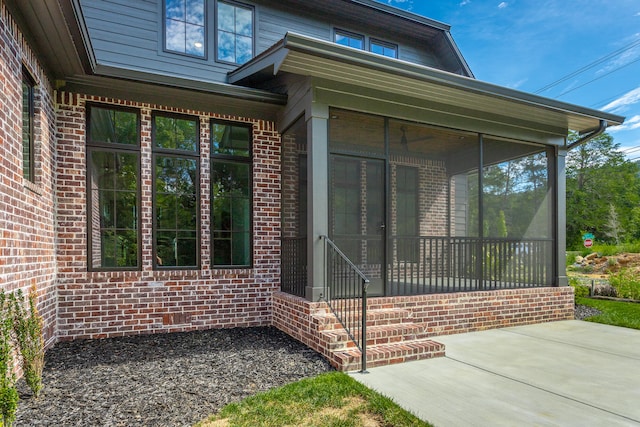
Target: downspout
x=601 y=128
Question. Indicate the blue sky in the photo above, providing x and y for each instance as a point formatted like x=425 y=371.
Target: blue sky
x=593 y=46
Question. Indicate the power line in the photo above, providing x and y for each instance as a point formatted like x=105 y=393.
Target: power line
x=598 y=78
x=589 y=66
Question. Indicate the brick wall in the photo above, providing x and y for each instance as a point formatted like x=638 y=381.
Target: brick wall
x=27 y=237
x=437 y=314
x=106 y=304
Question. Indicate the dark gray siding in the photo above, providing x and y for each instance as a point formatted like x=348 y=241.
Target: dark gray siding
x=127 y=34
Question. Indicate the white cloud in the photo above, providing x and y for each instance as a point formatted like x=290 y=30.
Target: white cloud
x=518 y=84
x=503 y=5
x=630 y=124
x=629 y=98
x=465 y=2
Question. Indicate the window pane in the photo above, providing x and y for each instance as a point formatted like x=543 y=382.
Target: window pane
x=385 y=49
x=229 y=139
x=244 y=22
x=113 y=126
x=226 y=17
x=175 y=9
x=113 y=209
x=195 y=12
x=176 y=211
x=244 y=49
x=185 y=26
x=231 y=211
x=195 y=40
x=175 y=133
x=27 y=129
x=235 y=33
x=226 y=47
x=175 y=35
x=351 y=40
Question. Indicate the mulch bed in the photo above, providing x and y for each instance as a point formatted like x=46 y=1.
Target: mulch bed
x=173 y=379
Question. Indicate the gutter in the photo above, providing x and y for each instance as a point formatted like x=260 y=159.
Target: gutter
x=586 y=138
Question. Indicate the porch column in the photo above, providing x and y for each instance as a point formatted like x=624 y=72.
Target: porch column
x=317 y=198
x=561 y=217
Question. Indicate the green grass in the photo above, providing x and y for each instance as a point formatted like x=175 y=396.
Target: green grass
x=617 y=313
x=332 y=399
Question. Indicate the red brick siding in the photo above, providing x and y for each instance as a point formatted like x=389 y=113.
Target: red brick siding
x=27 y=237
x=106 y=304
x=439 y=314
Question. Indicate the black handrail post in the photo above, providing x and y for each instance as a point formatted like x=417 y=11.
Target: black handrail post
x=365 y=285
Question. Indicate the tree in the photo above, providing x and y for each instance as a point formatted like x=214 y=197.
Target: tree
x=598 y=177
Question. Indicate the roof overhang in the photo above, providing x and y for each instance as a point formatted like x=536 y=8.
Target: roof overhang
x=301 y=55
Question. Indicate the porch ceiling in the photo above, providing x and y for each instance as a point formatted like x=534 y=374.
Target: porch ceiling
x=461 y=95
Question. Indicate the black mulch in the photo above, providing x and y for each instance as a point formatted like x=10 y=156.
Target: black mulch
x=163 y=379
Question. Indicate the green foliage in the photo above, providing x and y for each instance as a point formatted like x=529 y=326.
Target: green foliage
x=28 y=328
x=601 y=181
x=332 y=399
x=617 y=313
x=8 y=392
x=627 y=283
x=579 y=289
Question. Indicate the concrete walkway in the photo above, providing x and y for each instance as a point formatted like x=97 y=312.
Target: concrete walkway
x=568 y=373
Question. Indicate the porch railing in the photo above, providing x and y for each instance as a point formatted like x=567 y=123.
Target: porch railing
x=345 y=292
x=425 y=265
x=434 y=264
x=293 y=274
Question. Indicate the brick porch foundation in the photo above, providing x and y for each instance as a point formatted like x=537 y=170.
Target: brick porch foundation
x=401 y=329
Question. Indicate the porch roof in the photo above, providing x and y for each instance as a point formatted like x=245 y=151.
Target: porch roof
x=406 y=83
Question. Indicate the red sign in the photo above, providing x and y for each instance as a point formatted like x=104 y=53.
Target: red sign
x=588 y=243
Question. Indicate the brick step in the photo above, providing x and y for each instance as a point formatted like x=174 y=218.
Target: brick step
x=338 y=339
x=378 y=317
x=389 y=354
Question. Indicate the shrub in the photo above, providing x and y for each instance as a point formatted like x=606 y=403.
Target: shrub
x=8 y=392
x=28 y=328
x=627 y=283
x=578 y=289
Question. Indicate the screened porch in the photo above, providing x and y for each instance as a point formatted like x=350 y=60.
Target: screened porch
x=420 y=209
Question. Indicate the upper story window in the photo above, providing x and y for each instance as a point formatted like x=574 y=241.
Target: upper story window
x=234 y=32
x=231 y=211
x=113 y=189
x=185 y=26
x=346 y=38
x=383 y=48
x=28 y=115
x=176 y=191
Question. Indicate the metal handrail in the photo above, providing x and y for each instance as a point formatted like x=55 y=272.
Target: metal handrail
x=341 y=307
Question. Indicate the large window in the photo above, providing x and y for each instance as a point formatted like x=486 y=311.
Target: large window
x=28 y=113
x=176 y=191
x=234 y=33
x=113 y=161
x=185 y=30
x=231 y=194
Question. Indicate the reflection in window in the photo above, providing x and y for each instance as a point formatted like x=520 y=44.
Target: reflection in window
x=185 y=26
x=349 y=39
x=28 y=113
x=231 y=194
x=176 y=183
x=176 y=203
x=113 y=126
x=234 y=33
x=113 y=162
x=175 y=133
x=383 y=48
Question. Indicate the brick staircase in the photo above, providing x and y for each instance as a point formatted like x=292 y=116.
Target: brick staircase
x=392 y=337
